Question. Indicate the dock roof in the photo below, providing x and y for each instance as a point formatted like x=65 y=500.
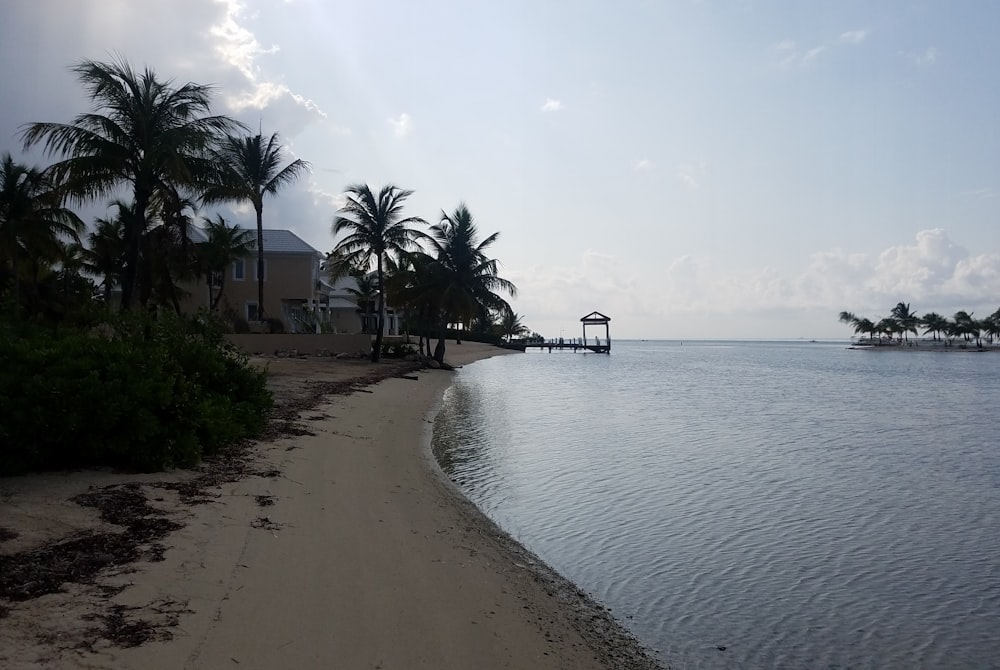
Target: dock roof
x=595 y=317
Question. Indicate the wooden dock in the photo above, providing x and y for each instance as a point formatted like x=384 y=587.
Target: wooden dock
x=595 y=345
x=570 y=345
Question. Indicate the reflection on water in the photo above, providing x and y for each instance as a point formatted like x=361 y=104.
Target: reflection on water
x=799 y=504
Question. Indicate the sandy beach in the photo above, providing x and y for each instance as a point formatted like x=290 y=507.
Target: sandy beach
x=335 y=542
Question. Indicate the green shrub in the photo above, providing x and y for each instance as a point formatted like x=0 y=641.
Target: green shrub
x=143 y=395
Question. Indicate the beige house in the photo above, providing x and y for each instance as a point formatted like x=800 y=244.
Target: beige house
x=295 y=289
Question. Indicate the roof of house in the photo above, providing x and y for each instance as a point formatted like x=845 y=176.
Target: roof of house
x=341 y=303
x=275 y=241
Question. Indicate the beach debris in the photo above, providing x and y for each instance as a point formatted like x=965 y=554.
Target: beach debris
x=35 y=572
x=265 y=523
x=263 y=500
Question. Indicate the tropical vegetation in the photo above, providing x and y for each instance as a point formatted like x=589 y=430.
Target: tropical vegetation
x=248 y=170
x=375 y=230
x=91 y=322
x=901 y=322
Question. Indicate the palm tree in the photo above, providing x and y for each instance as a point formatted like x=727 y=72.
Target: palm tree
x=403 y=286
x=888 y=327
x=850 y=319
x=225 y=245
x=964 y=326
x=934 y=323
x=103 y=256
x=366 y=293
x=375 y=227
x=463 y=278
x=144 y=133
x=991 y=325
x=33 y=223
x=249 y=170
x=867 y=326
x=906 y=320
x=510 y=323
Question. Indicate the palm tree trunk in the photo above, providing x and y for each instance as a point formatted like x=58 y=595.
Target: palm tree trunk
x=377 y=350
x=260 y=262
x=134 y=227
x=443 y=333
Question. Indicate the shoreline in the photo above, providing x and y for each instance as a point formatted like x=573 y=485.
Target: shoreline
x=341 y=547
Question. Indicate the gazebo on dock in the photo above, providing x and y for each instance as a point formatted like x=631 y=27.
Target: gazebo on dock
x=597 y=319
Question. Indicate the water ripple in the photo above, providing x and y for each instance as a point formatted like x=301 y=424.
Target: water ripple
x=803 y=506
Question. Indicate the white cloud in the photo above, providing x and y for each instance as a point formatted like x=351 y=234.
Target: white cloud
x=982 y=193
x=551 y=105
x=812 y=54
x=693 y=175
x=401 y=125
x=239 y=48
x=789 y=53
x=854 y=36
x=932 y=273
x=928 y=57
x=644 y=165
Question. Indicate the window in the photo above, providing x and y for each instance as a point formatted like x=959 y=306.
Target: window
x=256 y=275
x=251 y=310
x=239 y=270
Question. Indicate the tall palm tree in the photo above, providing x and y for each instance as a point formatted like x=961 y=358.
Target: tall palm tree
x=250 y=169
x=225 y=245
x=375 y=227
x=463 y=278
x=906 y=320
x=144 y=134
x=33 y=223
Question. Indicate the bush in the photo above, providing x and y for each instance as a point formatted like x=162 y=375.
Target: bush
x=275 y=324
x=144 y=395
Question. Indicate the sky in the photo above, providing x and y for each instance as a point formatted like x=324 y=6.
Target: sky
x=691 y=168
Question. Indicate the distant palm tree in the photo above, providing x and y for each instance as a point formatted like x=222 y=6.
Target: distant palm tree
x=934 y=323
x=463 y=279
x=144 y=134
x=510 y=323
x=888 y=326
x=34 y=226
x=850 y=319
x=964 y=326
x=991 y=325
x=225 y=245
x=906 y=320
x=249 y=170
x=375 y=227
x=867 y=326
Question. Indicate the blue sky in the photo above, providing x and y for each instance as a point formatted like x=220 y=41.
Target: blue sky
x=692 y=169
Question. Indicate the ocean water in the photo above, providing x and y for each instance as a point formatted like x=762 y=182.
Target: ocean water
x=797 y=504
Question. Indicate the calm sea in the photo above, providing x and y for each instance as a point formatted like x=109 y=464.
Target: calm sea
x=797 y=504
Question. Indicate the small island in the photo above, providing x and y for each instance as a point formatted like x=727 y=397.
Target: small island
x=961 y=331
